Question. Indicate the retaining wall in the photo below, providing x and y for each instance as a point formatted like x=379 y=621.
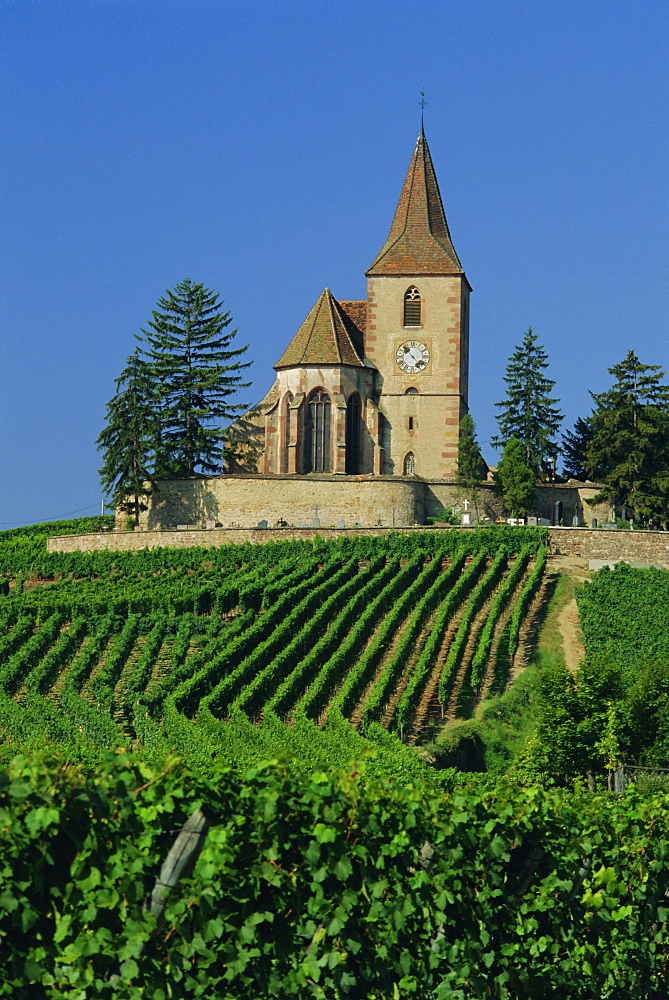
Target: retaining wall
x=648 y=547
x=586 y=543
x=234 y=501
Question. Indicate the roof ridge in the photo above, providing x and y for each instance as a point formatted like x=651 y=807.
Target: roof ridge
x=333 y=320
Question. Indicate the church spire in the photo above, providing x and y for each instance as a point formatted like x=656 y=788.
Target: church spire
x=419 y=241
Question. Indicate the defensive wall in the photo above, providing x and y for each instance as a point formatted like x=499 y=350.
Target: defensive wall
x=644 y=547
x=244 y=500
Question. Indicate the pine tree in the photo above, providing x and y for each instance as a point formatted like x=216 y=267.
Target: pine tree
x=529 y=412
x=516 y=480
x=574 y=447
x=195 y=371
x=629 y=451
x=128 y=439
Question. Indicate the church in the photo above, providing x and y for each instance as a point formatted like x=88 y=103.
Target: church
x=361 y=425
x=377 y=386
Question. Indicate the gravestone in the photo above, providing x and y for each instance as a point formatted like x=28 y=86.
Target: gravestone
x=340 y=524
x=316 y=523
x=262 y=524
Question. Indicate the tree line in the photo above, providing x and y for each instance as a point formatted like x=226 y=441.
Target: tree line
x=622 y=445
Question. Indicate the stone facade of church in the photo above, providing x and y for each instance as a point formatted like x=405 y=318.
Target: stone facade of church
x=375 y=387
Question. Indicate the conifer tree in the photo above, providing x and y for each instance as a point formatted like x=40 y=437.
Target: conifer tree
x=471 y=467
x=574 y=447
x=629 y=451
x=516 y=480
x=195 y=370
x=469 y=453
x=128 y=439
x=529 y=412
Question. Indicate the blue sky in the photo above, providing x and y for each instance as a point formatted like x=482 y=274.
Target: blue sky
x=259 y=148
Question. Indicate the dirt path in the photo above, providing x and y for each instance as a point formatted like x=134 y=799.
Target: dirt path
x=568 y=621
x=570 y=631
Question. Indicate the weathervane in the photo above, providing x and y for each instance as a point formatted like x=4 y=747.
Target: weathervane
x=422 y=103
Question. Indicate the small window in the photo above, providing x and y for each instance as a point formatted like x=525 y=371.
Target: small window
x=412 y=315
x=409 y=464
x=411 y=391
x=410 y=423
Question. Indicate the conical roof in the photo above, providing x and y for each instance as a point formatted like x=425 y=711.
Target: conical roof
x=419 y=241
x=327 y=337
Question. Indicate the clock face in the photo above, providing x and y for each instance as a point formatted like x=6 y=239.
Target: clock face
x=412 y=356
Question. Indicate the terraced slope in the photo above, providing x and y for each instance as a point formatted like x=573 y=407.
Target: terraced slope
x=321 y=651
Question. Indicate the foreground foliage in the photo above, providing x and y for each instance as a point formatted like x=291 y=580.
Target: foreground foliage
x=327 y=887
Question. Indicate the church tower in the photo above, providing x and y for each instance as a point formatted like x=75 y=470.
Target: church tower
x=417 y=332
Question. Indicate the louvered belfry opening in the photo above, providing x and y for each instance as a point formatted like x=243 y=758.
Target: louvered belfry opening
x=412 y=307
x=353 y=415
x=317 y=438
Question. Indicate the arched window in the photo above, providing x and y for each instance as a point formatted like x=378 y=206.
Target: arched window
x=409 y=464
x=286 y=432
x=317 y=437
x=353 y=413
x=412 y=307
x=411 y=391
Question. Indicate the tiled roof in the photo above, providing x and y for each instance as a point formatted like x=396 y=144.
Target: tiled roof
x=419 y=241
x=327 y=337
x=355 y=317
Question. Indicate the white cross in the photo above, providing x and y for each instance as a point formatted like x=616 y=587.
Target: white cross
x=465 y=504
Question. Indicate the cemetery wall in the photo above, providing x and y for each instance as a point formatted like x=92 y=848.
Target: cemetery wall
x=644 y=547
x=244 y=500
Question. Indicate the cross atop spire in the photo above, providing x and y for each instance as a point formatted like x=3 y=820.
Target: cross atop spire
x=419 y=241
x=422 y=103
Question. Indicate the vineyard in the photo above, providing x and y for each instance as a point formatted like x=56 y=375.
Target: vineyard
x=322 y=651
x=141 y=875
x=623 y=614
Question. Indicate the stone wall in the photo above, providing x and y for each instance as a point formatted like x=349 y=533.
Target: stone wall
x=129 y=541
x=244 y=500
x=647 y=547
x=632 y=546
